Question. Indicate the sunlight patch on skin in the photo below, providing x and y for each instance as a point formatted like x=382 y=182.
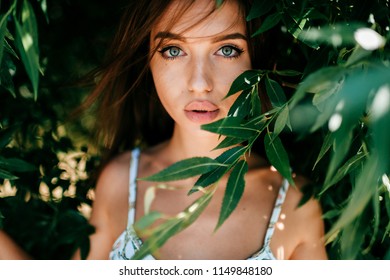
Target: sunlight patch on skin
x=280 y=253
x=273 y=169
x=270 y=187
x=282 y=216
x=280 y=226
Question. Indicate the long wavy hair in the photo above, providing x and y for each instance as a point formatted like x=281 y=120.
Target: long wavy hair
x=128 y=111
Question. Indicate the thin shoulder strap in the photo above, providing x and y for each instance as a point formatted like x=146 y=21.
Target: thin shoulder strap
x=276 y=212
x=133 y=184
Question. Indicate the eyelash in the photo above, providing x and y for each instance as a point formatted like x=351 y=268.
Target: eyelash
x=163 y=51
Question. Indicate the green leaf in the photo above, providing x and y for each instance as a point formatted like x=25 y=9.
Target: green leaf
x=288 y=73
x=269 y=22
x=351 y=164
x=335 y=35
x=7 y=175
x=147 y=220
x=185 y=169
x=156 y=237
x=281 y=121
x=3 y=28
x=232 y=127
x=244 y=81
x=241 y=106
x=275 y=92
x=363 y=191
x=328 y=142
x=256 y=103
x=15 y=164
x=323 y=79
x=27 y=43
x=234 y=190
x=277 y=156
x=227 y=158
x=228 y=142
x=260 y=8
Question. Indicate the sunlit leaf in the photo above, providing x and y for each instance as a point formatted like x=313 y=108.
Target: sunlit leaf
x=354 y=162
x=27 y=44
x=244 y=81
x=328 y=142
x=361 y=195
x=277 y=156
x=147 y=220
x=228 y=142
x=234 y=190
x=324 y=78
x=227 y=158
x=281 y=121
x=156 y=237
x=241 y=106
x=232 y=127
x=185 y=169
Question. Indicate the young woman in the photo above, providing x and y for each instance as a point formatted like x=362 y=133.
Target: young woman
x=170 y=67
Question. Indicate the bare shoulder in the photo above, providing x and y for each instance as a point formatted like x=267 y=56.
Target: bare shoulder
x=111 y=194
x=114 y=171
x=307 y=221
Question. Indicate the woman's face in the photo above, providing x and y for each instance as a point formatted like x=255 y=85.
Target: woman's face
x=196 y=63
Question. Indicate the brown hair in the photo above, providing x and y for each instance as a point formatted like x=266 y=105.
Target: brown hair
x=128 y=110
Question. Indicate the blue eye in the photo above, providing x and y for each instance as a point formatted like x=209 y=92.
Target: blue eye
x=229 y=51
x=171 y=52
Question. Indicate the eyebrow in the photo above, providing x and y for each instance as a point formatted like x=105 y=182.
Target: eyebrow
x=173 y=36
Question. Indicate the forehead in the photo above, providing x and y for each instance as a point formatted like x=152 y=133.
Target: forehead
x=201 y=19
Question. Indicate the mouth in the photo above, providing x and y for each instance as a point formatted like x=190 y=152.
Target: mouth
x=201 y=112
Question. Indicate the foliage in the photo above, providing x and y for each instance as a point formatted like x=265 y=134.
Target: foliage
x=45 y=158
x=329 y=90
x=344 y=87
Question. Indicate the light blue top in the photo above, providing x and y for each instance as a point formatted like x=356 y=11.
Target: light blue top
x=128 y=242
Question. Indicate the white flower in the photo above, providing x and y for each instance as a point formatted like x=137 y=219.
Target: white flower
x=369 y=39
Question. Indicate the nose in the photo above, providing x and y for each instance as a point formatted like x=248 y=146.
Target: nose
x=200 y=76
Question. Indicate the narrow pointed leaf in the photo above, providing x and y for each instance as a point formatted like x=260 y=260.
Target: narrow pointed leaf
x=234 y=190
x=7 y=175
x=228 y=142
x=147 y=220
x=185 y=169
x=275 y=92
x=268 y=23
x=27 y=44
x=260 y=8
x=241 y=107
x=353 y=163
x=281 y=121
x=228 y=158
x=157 y=237
x=361 y=195
x=232 y=127
x=244 y=81
x=277 y=156
x=328 y=141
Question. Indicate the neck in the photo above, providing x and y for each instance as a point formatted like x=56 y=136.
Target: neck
x=186 y=143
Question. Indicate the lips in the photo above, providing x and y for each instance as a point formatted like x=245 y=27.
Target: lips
x=201 y=111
